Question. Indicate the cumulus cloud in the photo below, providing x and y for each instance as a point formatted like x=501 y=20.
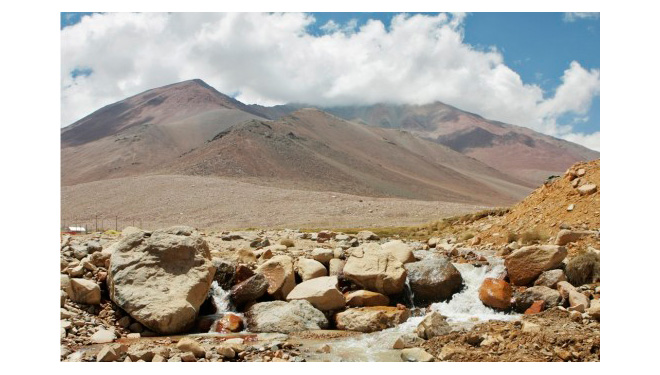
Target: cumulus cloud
x=273 y=59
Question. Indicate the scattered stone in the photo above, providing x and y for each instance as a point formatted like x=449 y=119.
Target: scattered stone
x=525 y=299
x=321 y=292
x=187 y=344
x=162 y=278
x=416 y=355
x=535 y=308
x=433 y=280
x=85 y=291
x=228 y=323
x=527 y=263
x=366 y=235
x=594 y=309
x=102 y=336
x=566 y=236
x=496 y=293
x=570 y=207
x=530 y=327
x=578 y=301
x=408 y=340
x=226 y=351
x=434 y=324
x=587 y=189
x=107 y=354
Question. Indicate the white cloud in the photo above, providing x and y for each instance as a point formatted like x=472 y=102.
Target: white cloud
x=272 y=58
x=574 y=16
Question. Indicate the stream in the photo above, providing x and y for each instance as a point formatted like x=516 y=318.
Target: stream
x=463 y=311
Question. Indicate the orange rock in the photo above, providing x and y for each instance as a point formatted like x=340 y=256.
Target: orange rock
x=536 y=307
x=496 y=293
x=228 y=323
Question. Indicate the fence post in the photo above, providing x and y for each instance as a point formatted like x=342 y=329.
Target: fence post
x=96 y=223
x=116 y=224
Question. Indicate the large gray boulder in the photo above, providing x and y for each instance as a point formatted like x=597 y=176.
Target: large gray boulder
x=284 y=317
x=161 y=278
x=376 y=271
x=433 y=280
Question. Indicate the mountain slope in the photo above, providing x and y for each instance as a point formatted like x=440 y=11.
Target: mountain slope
x=314 y=150
x=518 y=151
x=142 y=133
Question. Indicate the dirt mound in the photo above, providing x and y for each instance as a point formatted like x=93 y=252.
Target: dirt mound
x=549 y=336
x=555 y=205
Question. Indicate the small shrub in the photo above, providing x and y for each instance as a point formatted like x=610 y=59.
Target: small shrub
x=466 y=236
x=287 y=242
x=511 y=237
x=532 y=237
x=584 y=268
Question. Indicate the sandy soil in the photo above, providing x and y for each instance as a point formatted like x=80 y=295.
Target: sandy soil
x=220 y=203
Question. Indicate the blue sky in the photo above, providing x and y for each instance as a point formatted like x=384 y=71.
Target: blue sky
x=539 y=47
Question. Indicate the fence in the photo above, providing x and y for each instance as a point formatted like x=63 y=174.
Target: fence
x=100 y=223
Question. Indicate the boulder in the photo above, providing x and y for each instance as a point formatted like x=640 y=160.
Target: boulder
x=228 y=323
x=433 y=280
x=375 y=271
x=496 y=293
x=566 y=236
x=284 y=317
x=527 y=263
x=246 y=256
x=85 y=291
x=309 y=269
x=248 y=290
x=225 y=272
x=336 y=267
x=360 y=298
x=243 y=273
x=161 y=278
x=401 y=251
x=434 y=324
x=279 y=273
x=107 y=354
x=371 y=319
x=416 y=355
x=321 y=292
x=550 y=278
x=525 y=299
x=323 y=255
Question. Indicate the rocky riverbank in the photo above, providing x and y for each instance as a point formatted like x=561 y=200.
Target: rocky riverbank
x=178 y=294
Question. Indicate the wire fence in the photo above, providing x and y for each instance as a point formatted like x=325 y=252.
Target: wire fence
x=99 y=223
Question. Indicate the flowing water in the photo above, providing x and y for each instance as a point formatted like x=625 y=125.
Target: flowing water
x=222 y=303
x=463 y=310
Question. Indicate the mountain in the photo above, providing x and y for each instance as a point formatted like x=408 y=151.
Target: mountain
x=146 y=131
x=432 y=152
x=314 y=150
x=517 y=151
